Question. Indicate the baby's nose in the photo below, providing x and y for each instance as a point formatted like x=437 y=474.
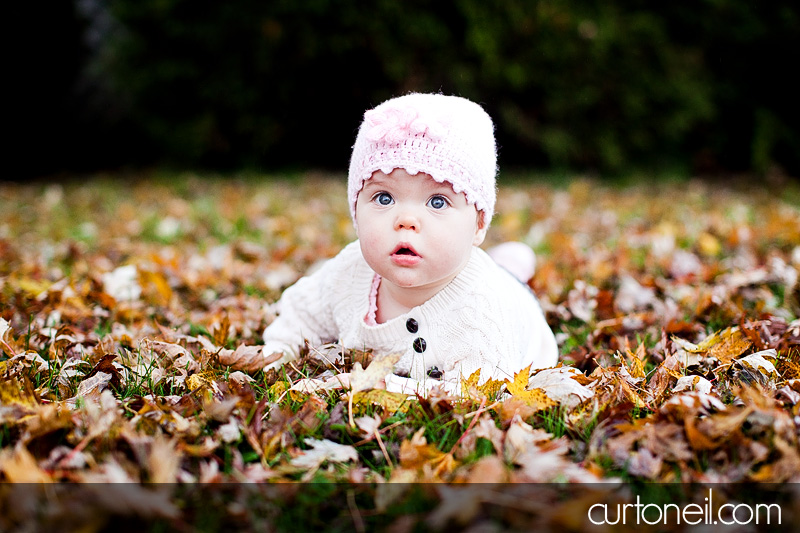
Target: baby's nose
x=407 y=220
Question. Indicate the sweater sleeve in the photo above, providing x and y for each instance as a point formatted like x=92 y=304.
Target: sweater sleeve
x=305 y=312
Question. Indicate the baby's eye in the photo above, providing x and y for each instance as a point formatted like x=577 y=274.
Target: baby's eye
x=438 y=202
x=383 y=198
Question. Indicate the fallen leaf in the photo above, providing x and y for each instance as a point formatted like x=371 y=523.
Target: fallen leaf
x=536 y=398
x=389 y=402
x=561 y=385
x=164 y=460
x=381 y=365
x=689 y=383
x=416 y=453
x=522 y=438
x=322 y=451
x=19 y=466
x=489 y=389
x=361 y=379
x=369 y=424
x=725 y=345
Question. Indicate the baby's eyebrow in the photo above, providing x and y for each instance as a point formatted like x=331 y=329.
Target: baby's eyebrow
x=442 y=187
x=375 y=182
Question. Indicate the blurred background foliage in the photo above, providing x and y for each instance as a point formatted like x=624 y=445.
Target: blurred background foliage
x=702 y=87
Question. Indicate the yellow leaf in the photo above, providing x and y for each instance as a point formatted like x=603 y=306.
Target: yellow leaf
x=32 y=287
x=390 y=402
x=278 y=388
x=156 y=287
x=709 y=245
x=536 y=398
x=520 y=381
x=471 y=389
x=471 y=381
x=635 y=362
x=14 y=392
x=202 y=382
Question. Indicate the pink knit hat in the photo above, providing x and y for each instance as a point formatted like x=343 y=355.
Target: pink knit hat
x=448 y=137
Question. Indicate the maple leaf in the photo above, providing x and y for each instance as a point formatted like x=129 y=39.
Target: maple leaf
x=221 y=330
x=247 y=357
x=635 y=361
x=369 y=424
x=535 y=398
x=106 y=365
x=753 y=368
x=170 y=354
x=489 y=389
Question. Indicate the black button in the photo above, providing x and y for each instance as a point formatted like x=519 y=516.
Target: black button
x=412 y=326
x=419 y=345
x=434 y=372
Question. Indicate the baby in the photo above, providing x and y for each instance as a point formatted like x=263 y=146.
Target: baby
x=421 y=188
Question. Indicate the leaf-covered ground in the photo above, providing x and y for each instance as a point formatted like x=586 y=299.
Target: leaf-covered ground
x=675 y=306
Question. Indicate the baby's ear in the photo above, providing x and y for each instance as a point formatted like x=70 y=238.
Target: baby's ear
x=481 y=229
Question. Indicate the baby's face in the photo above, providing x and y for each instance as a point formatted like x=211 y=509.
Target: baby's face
x=415 y=232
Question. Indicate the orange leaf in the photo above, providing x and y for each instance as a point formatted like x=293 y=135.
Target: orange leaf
x=416 y=453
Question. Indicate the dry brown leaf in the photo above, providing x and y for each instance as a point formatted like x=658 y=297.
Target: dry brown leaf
x=521 y=438
x=249 y=358
x=164 y=460
x=488 y=469
x=725 y=345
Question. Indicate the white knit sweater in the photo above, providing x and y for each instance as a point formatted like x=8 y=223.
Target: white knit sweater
x=484 y=319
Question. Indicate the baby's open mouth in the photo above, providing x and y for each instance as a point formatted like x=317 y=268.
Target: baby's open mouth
x=405 y=249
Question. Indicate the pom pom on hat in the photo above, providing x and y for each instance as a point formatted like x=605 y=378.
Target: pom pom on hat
x=448 y=137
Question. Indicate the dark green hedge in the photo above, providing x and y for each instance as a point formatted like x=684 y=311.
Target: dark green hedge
x=595 y=85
